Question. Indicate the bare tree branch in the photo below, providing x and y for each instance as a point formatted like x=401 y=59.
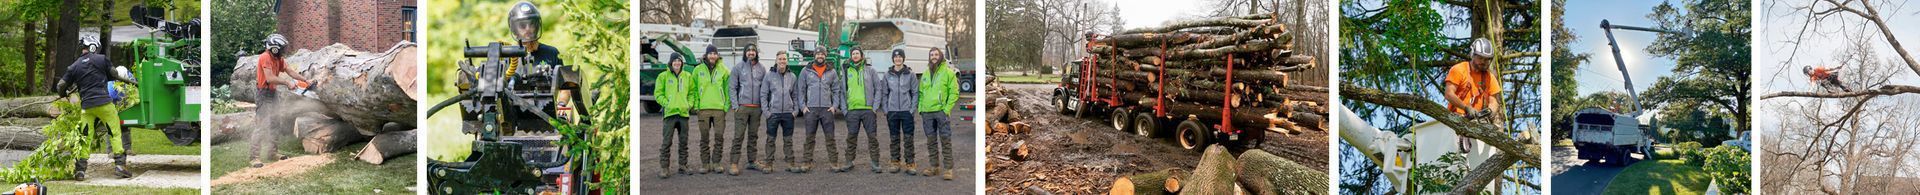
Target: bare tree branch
x=1884 y=90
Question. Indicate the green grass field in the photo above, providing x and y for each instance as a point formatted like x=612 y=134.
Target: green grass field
x=72 y=187
x=1670 y=176
x=149 y=141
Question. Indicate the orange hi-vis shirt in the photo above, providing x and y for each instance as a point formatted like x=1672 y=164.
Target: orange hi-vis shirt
x=268 y=68
x=1477 y=89
x=1820 y=73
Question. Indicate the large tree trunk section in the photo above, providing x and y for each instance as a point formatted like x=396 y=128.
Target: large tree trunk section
x=1165 y=181
x=21 y=137
x=388 y=145
x=29 y=107
x=1264 y=173
x=231 y=126
x=1214 y=175
x=367 y=90
x=323 y=135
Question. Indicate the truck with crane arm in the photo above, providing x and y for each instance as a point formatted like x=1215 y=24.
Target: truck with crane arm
x=1612 y=137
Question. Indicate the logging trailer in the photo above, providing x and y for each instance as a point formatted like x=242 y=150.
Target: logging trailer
x=1088 y=88
x=166 y=67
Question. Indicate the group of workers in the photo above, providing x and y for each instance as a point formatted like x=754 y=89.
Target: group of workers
x=773 y=97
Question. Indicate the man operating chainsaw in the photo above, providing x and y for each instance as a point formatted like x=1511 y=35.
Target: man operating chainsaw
x=267 y=76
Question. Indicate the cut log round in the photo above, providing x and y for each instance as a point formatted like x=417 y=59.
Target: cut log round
x=389 y=145
x=1263 y=173
x=1165 y=181
x=367 y=90
x=1214 y=175
x=323 y=135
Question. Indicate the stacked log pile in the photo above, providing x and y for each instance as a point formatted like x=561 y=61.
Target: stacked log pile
x=1201 y=67
x=356 y=97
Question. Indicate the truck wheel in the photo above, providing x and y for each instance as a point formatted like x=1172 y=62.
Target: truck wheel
x=1122 y=119
x=1063 y=102
x=1144 y=124
x=1193 y=135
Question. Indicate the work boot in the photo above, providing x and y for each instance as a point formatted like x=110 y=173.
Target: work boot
x=912 y=170
x=735 y=170
x=80 y=169
x=892 y=167
x=120 y=167
x=663 y=174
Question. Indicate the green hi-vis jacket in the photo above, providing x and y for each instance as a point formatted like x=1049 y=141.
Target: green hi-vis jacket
x=671 y=90
x=710 y=87
x=939 y=89
x=861 y=81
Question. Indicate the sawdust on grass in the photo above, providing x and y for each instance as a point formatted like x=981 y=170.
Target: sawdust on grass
x=282 y=168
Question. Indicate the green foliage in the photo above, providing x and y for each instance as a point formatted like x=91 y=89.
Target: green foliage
x=1015 y=45
x=1687 y=118
x=1728 y=166
x=1689 y=151
x=69 y=138
x=1565 y=64
x=241 y=26
x=1711 y=59
x=1438 y=177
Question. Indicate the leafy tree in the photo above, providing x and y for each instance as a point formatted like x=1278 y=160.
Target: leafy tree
x=1565 y=64
x=242 y=24
x=1712 y=56
x=1394 y=53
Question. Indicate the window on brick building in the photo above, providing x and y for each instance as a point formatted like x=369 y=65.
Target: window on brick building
x=408 y=13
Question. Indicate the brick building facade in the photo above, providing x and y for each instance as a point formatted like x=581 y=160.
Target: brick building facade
x=367 y=25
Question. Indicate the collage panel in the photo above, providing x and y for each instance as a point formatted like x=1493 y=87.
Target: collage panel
x=313 y=97
x=1837 y=90
x=101 y=96
x=1440 y=97
x=1651 y=97
x=527 y=97
x=775 y=97
x=1157 y=97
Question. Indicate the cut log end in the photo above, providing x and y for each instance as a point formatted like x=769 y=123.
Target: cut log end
x=1122 y=186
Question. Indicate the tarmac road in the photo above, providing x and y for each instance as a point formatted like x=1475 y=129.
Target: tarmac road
x=1576 y=176
x=859 y=180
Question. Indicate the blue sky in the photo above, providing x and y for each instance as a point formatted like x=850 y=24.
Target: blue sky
x=1600 y=73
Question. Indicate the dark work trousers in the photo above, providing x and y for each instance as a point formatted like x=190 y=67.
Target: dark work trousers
x=675 y=128
x=900 y=125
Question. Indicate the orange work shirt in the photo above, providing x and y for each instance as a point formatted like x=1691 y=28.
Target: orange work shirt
x=268 y=68
x=1820 y=73
x=1477 y=89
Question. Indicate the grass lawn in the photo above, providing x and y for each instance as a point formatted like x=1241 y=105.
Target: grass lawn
x=150 y=141
x=1660 y=177
x=1046 y=78
x=1563 y=143
x=345 y=175
x=70 y=187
